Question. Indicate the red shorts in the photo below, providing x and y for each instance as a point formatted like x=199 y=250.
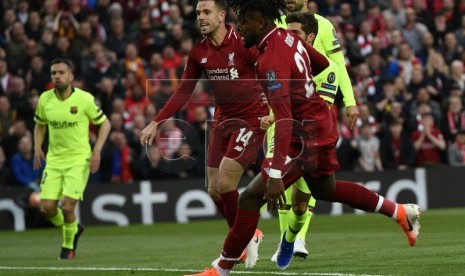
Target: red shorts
x=236 y=139
x=312 y=161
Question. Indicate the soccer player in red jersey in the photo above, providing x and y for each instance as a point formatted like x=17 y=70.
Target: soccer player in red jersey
x=235 y=137
x=305 y=136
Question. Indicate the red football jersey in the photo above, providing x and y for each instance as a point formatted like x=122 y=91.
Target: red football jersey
x=284 y=66
x=230 y=70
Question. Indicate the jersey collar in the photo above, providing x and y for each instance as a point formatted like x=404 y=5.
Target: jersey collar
x=227 y=39
x=262 y=45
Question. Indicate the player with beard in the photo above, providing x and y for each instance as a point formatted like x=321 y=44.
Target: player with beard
x=326 y=42
x=304 y=141
x=67 y=112
x=236 y=136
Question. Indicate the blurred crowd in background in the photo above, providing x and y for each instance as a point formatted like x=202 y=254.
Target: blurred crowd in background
x=405 y=59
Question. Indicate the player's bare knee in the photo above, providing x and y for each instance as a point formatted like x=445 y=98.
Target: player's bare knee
x=300 y=208
x=68 y=207
x=49 y=210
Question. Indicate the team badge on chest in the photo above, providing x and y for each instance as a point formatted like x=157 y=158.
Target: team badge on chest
x=73 y=110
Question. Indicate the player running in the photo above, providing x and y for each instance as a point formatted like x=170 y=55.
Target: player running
x=67 y=111
x=305 y=136
x=236 y=136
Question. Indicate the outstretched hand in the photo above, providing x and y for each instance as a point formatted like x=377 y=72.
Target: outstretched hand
x=148 y=134
x=274 y=193
x=352 y=115
x=39 y=156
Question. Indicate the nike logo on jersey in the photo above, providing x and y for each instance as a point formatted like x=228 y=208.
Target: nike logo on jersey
x=204 y=60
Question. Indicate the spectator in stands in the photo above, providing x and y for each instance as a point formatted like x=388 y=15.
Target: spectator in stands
x=451 y=49
x=347 y=149
x=123 y=160
x=33 y=26
x=365 y=38
x=199 y=97
x=152 y=165
x=118 y=39
x=16 y=46
x=136 y=100
x=456 y=150
x=185 y=164
x=365 y=82
x=428 y=142
x=100 y=68
x=98 y=30
x=397 y=150
x=84 y=38
x=133 y=134
x=413 y=30
x=47 y=43
x=460 y=32
x=134 y=63
x=10 y=143
x=22 y=165
x=157 y=73
x=6 y=78
x=457 y=74
x=424 y=97
x=166 y=89
x=351 y=45
x=390 y=95
x=119 y=107
x=397 y=11
x=437 y=73
x=169 y=138
x=147 y=39
x=65 y=25
x=368 y=146
x=7 y=116
x=453 y=119
x=149 y=112
x=37 y=78
x=5 y=171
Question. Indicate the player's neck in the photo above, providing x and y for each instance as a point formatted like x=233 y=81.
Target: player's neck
x=219 y=35
x=63 y=95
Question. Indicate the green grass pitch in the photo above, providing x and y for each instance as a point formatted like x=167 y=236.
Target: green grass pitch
x=341 y=246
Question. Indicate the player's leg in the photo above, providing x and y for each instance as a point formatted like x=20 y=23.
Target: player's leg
x=299 y=247
x=214 y=190
x=243 y=147
x=297 y=219
x=75 y=182
x=283 y=211
x=324 y=186
x=51 y=186
x=229 y=174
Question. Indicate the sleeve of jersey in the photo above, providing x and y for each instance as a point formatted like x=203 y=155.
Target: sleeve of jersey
x=39 y=116
x=191 y=74
x=331 y=46
x=326 y=83
x=280 y=103
x=94 y=112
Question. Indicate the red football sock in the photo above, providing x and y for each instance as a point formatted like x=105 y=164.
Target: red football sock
x=220 y=206
x=355 y=195
x=239 y=236
x=386 y=207
x=230 y=202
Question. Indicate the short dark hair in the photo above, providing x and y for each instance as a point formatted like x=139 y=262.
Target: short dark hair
x=307 y=19
x=270 y=9
x=66 y=61
x=222 y=5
